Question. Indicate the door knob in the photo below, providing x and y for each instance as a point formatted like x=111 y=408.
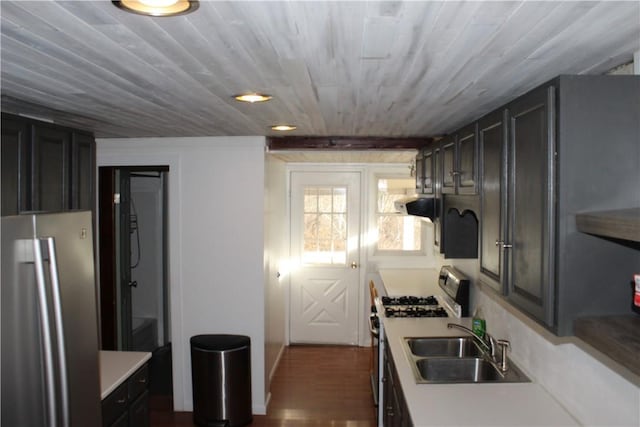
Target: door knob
x=354 y=264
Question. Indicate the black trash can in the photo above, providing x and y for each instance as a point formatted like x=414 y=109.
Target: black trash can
x=221 y=377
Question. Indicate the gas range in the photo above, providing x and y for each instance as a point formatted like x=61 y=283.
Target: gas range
x=454 y=300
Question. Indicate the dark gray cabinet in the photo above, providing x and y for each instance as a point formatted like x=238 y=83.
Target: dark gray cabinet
x=429 y=178
x=396 y=412
x=449 y=164
x=128 y=405
x=424 y=171
x=420 y=172
x=45 y=167
x=467 y=148
x=51 y=161
x=15 y=146
x=460 y=161
x=529 y=246
x=437 y=193
x=492 y=138
x=571 y=147
x=83 y=165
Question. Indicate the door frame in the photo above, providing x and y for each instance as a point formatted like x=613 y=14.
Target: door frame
x=112 y=293
x=363 y=291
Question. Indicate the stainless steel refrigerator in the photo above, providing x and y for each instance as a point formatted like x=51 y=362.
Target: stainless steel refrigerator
x=50 y=370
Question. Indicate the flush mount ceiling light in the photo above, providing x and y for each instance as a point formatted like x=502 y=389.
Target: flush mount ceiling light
x=252 y=97
x=283 y=128
x=158 y=7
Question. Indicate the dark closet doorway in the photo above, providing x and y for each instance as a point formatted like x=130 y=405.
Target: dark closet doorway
x=134 y=303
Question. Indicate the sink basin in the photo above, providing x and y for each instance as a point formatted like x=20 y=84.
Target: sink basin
x=443 y=347
x=450 y=360
x=469 y=370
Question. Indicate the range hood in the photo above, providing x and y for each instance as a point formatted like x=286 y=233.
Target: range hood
x=425 y=207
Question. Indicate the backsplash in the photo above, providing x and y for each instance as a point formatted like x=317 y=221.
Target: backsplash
x=590 y=391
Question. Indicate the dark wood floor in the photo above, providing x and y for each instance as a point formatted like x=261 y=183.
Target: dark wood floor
x=313 y=386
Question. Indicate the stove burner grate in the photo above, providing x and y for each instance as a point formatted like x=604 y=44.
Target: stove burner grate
x=409 y=300
x=414 y=311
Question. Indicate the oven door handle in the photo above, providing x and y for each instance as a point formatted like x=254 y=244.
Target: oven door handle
x=374 y=330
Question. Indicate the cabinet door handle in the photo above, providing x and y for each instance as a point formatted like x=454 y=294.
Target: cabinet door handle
x=501 y=243
x=121 y=401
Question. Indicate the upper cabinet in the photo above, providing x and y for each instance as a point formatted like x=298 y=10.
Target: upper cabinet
x=565 y=148
x=424 y=171
x=492 y=138
x=51 y=161
x=449 y=164
x=45 y=167
x=15 y=146
x=420 y=172
x=530 y=203
x=460 y=161
x=83 y=165
x=436 y=154
x=429 y=178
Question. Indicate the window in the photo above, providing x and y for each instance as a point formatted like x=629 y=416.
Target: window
x=396 y=232
x=325 y=225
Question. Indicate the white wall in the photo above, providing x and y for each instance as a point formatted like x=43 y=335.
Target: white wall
x=276 y=253
x=369 y=259
x=592 y=392
x=216 y=246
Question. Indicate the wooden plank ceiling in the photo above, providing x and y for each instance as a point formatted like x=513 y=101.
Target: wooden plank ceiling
x=385 y=69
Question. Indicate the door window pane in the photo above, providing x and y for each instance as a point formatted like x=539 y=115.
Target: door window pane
x=325 y=225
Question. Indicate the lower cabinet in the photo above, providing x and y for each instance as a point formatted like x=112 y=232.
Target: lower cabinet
x=396 y=412
x=128 y=405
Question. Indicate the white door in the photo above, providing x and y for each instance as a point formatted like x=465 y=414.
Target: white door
x=325 y=234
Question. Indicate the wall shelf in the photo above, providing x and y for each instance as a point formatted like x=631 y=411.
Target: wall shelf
x=618 y=224
x=618 y=337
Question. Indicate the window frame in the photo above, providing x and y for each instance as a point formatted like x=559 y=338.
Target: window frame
x=375 y=215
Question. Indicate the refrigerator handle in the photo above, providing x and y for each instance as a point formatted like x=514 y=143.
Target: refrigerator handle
x=45 y=325
x=57 y=313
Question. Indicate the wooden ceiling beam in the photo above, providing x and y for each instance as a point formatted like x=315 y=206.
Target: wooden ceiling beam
x=345 y=143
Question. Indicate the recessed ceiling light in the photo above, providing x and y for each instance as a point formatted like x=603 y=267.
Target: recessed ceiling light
x=283 y=128
x=158 y=7
x=252 y=97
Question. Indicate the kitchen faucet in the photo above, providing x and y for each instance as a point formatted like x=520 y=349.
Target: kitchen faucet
x=491 y=344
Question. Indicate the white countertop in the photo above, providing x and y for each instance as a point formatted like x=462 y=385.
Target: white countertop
x=505 y=404
x=117 y=366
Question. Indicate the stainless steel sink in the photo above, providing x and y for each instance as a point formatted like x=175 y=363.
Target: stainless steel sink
x=468 y=370
x=443 y=347
x=451 y=360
